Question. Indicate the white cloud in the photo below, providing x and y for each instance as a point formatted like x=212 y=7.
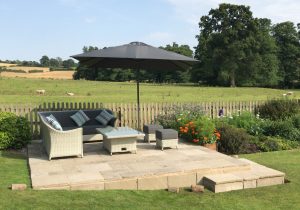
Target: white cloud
x=276 y=10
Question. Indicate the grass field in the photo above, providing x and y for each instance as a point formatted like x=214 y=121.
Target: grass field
x=18 y=90
x=14 y=170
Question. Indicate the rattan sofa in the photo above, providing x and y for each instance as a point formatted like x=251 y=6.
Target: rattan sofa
x=69 y=142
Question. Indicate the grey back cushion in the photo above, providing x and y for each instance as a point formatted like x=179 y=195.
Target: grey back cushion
x=104 y=117
x=66 y=121
x=80 y=118
x=53 y=122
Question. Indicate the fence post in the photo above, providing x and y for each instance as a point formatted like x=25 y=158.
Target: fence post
x=120 y=117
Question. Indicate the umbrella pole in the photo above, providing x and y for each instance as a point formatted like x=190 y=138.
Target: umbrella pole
x=138 y=97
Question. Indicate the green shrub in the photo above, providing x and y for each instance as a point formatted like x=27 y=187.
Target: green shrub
x=279 y=109
x=176 y=116
x=235 y=141
x=245 y=120
x=296 y=121
x=5 y=140
x=281 y=128
x=17 y=128
x=268 y=144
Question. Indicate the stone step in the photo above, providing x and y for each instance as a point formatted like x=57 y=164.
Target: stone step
x=257 y=176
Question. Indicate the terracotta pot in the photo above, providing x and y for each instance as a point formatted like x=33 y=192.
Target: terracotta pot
x=211 y=146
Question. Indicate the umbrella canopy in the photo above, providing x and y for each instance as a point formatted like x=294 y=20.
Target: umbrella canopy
x=135 y=55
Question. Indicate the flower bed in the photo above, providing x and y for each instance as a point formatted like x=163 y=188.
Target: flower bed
x=201 y=130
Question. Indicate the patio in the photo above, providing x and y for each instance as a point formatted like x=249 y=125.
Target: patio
x=149 y=169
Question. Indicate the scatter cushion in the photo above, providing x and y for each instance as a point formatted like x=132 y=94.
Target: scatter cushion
x=54 y=122
x=80 y=118
x=104 y=117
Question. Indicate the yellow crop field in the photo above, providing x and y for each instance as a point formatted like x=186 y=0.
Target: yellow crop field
x=6 y=64
x=41 y=75
x=28 y=68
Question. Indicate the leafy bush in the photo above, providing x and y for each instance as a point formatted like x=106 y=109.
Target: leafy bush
x=268 y=144
x=281 y=128
x=236 y=141
x=176 y=116
x=245 y=120
x=5 y=139
x=279 y=109
x=17 y=131
x=296 y=121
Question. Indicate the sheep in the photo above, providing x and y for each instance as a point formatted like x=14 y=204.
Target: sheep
x=41 y=92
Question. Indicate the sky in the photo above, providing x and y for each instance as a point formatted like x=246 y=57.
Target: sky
x=60 y=28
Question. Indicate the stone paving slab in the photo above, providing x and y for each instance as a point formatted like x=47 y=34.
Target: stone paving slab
x=152 y=168
x=257 y=176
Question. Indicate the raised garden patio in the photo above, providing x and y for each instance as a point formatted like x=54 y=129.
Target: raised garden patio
x=149 y=169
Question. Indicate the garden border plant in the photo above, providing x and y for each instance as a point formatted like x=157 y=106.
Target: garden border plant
x=244 y=132
x=14 y=131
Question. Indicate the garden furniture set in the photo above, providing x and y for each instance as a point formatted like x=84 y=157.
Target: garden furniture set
x=64 y=132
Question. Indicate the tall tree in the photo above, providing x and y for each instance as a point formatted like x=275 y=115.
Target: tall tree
x=232 y=48
x=68 y=63
x=174 y=76
x=53 y=63
x=180 y=49
x=89 y=48
x=287 y=39
x=45 y=61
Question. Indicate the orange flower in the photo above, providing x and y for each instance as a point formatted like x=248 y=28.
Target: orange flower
x=205 y=138
x=196 y=140
x=218 y=135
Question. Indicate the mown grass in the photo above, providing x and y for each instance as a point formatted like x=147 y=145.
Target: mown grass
x=20 y=90
x=14 y=169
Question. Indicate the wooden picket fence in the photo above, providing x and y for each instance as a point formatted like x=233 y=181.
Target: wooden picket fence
x=126 y=113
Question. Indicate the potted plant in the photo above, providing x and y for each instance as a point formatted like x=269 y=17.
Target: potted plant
x=200 y=131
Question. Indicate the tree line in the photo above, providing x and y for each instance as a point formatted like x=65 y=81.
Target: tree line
x=45 y=61
x=234 y=49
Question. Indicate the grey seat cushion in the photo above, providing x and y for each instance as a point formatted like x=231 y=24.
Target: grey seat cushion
x=164 y=134
x=88 y=130
x=151 y=128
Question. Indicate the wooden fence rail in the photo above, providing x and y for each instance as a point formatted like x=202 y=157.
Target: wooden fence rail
x=126 y=113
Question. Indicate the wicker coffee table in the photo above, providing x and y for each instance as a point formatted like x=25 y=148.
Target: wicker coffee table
x=122 y=139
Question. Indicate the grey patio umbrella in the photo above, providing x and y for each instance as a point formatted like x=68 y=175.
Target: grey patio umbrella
x=135 y=55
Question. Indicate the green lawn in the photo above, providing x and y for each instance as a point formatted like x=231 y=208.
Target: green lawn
x=14 y=169
x=20 y=90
